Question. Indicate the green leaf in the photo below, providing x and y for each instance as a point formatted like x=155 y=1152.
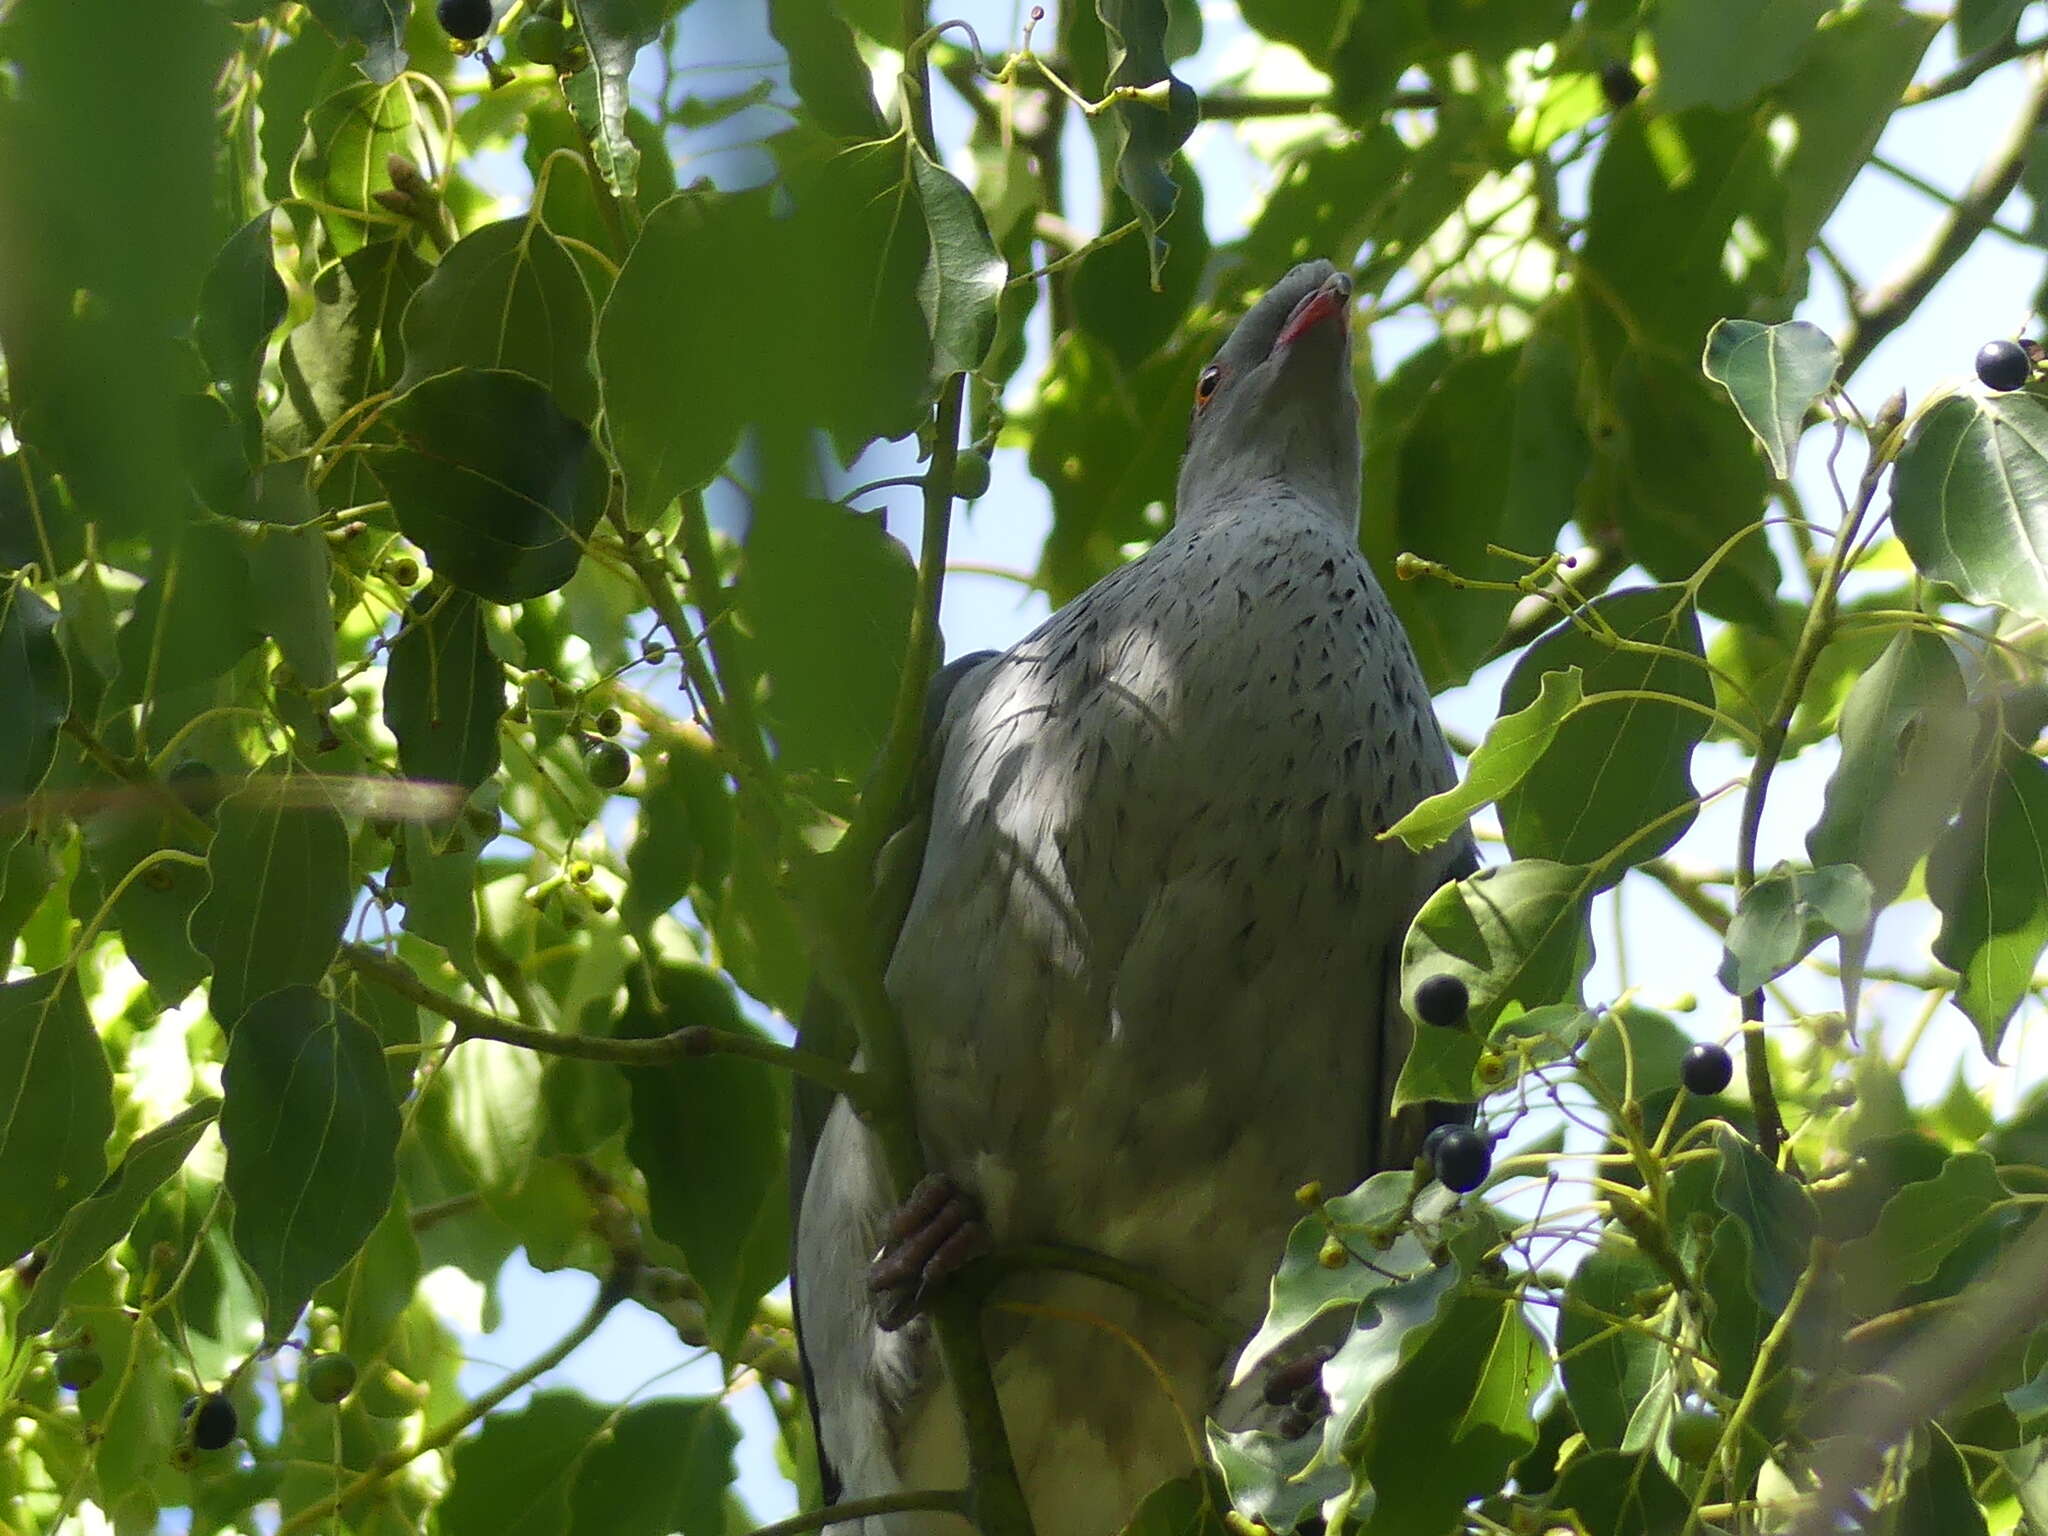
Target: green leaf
x=1275 y=1481
x=859 y=358
x=1780 y=919
x=1982 y=23
x=1513 y=744
x=1908 y=739
x=312 y=1142
x=825 y=68
x=1988 y=877
x=963 y=282
x=516 y=1476
x=290 y=578
x=1605 y=1350
x=1512 y=933
x=1618 y=1494
x=1776 y=1213
x=349 y=137
x=1736 y=1325
x=372 y=1292
x=494 y=482
x=445 y=691
x=1837 y=103
x=109 y=120
x=827 y=594
x=666 y=1465
x=94 y=1225
x=279 y=895
x=506 y=296
x=1941 y=1495
x=1107 y=448
x=1114 y=295
x=1189 y=1505
x=379 y=25
x=154 y=909
x=1681 y=480
x=1388 y=1332
x=1724 y=53
x=1970 y=498
x=59 y=1109
x=674 y=342
x=1448 y=504
x=1446 y=1426
x=35 y=691
x=615 y=31
x=192 y=620
x=715 y=1111
x=1614 y=785
x=1148 y=130
x=350 y=346
x=1372 y=1219
x=440 y=893
x=1774 y=374
x=1917 y=1229
x=240 y=304
x=684 y=836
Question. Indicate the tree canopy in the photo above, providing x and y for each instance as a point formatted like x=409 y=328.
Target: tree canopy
x=459 y=693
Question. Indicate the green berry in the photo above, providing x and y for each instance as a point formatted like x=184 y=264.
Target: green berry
x=542 y=40
x=328 y=1378
x=970 y=475
x=78 y=1367
x=607 y=763
x=1695 y=1434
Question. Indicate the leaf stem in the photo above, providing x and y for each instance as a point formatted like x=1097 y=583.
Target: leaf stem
x=1813 y=638
x=948 y=1500
x=611 y=1291
x=677 y=1045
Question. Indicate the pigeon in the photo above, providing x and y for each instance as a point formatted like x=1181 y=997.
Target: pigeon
x=1149 y=976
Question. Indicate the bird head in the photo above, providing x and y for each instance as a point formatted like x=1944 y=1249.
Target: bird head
x=1277 y=402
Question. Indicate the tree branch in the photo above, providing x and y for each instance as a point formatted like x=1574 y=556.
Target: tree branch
x=950 y=1500
x=661 y=1050
x=1967 y=71
x=610 y=1292
x=1890 y=305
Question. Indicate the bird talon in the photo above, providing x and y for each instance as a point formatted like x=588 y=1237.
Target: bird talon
x=935 y=1233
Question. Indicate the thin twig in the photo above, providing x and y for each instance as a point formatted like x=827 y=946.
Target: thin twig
x=609 y=1294
x=682 y=1044
x=1893 y=302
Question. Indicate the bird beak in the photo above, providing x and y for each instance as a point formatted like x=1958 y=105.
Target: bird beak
x=1331 y=301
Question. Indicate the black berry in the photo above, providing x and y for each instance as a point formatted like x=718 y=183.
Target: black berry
x=1618 y=83
x=213 y=1422
x=1706 y=1069
x=2003 y=365
x=606 y=762
x=609 y=722
x=1442 y=1000
x=1433 y=1140
x=464 y=20
x=1462 y=1159
x=328 y=1378
x=78 y=1367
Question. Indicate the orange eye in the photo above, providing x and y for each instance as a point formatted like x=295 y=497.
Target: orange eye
x=1206 y=385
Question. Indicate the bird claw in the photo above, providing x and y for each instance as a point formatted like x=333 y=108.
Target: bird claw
x=933 y=1234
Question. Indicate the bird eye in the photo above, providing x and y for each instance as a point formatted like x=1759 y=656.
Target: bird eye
x=1206 y=385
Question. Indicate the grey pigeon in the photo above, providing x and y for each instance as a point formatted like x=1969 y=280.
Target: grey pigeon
x=1149 y=976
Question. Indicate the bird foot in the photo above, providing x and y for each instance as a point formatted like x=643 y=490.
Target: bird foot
x=1296 y=1389
x=933 y=1234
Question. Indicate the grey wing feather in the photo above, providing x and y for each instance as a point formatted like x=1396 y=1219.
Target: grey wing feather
x=826 y=1026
